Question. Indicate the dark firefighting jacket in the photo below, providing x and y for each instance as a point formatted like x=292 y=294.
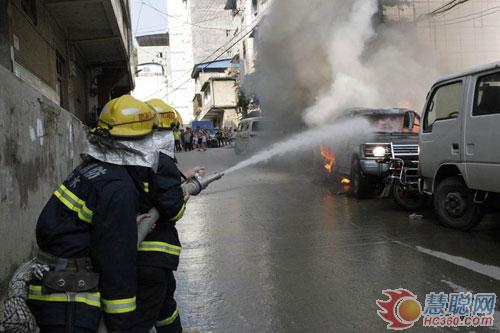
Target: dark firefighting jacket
x=162 y=247
x=92 y=214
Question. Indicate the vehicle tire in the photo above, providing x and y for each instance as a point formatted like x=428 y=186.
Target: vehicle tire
x=360 y=183
x=408 y=200
x=454 y=205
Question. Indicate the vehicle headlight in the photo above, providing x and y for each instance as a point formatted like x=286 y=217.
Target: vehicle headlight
x=379 y=151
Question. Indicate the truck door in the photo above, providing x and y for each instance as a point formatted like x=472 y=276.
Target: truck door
x=441 y=132
x=482 y=135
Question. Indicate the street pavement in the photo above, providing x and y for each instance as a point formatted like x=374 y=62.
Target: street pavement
x=267 y=250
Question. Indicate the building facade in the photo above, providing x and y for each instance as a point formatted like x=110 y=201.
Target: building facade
x=60 y=62
x=152 y=57
x=77 y=53
x=200 y=30
x=462 y=34
x=216 y=95
x=247 y=15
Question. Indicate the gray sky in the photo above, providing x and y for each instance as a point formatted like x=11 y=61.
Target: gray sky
x=147 y=20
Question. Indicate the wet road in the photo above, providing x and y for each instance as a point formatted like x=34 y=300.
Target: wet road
x=265 y=250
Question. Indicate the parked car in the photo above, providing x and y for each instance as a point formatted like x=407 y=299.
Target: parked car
x=252 y=133
x=460 y=157
x=386 y=159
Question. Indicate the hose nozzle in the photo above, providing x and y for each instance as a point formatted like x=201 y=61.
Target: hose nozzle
x=197 y=184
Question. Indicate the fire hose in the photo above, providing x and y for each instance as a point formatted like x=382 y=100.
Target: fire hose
x=16 y=317
x=193 y=186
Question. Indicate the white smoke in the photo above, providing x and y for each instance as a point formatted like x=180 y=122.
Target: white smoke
x=338 y=54
x=338 y=135
x=349 y=86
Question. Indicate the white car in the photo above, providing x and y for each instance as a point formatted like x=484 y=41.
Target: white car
x=252 y=134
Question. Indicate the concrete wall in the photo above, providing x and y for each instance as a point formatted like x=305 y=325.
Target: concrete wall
x=150 y=81
x=36 y=44
x=224 y=93
x=211 y=28
x=464 y=37
x=5 y=35
x=180 y=86
x=230 y=118
x=39 y=146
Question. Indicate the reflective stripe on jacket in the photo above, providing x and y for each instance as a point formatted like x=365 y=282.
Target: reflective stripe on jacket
x=93 y=214
x=162 y=247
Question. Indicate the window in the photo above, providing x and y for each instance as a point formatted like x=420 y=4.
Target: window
x=29 y=7
x=487 y=99
x=445 y=103
x=61 y=79
x=259 y=126
x=207 y=96
x=243 y=127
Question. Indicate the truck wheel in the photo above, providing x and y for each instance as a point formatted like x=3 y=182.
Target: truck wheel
x=408 y=200
x=454 y=204
x=360 y=186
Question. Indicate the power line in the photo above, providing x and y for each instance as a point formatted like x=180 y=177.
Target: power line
x=259 y=19
x=216 y=58
x=443 y=9
x=139 y=17
x=229 y=41
x=470 y=17
x=207 y=10
x=176 y=18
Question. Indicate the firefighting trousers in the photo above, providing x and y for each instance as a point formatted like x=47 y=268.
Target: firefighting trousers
x=156 y=305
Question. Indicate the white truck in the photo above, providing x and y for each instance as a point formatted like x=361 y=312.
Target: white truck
x=460 y=146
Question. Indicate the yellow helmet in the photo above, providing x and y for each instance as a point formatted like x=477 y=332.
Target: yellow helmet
x=167 y=115
x=126 y=116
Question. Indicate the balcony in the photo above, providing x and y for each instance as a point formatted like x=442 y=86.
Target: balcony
x=99 y=28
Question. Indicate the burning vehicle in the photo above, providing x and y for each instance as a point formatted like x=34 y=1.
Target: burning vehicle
x=383 y=161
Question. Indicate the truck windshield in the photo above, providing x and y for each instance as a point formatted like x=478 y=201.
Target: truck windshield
x=387 y=123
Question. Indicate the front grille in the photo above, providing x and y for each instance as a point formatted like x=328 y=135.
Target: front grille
x=409 y=155
x=404 y=150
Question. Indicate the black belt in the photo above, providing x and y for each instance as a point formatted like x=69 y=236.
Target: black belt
x=65 y=264
x=68 y=274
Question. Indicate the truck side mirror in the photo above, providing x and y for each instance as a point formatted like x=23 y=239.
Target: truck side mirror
x=409 y=120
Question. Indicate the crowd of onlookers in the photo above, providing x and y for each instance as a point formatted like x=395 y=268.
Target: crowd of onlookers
x=201 y=139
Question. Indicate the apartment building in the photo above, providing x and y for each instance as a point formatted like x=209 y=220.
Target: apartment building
x=77 y=53
x=216 y=96
x=199 y=31
x=153 y=60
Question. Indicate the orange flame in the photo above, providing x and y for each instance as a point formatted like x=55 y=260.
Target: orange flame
x=405 y=104
x=329 y=157
x=345 y=181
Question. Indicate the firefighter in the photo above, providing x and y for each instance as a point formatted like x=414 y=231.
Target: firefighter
x=87 y=231
x=158 y=254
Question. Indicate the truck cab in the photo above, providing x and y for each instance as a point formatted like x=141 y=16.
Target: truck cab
x=383 y=159
x=459 y=152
